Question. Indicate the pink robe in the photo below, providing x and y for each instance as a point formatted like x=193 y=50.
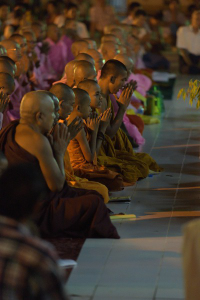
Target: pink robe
x=22 y=87
x=68 y=42
x=45 y=67
x=57 y=56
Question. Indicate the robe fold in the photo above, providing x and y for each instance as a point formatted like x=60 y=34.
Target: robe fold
x=83 y=183
x=69 y=213
x=118 y=155
x=90 y=170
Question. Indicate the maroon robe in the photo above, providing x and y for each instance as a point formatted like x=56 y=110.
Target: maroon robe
x=69 y=213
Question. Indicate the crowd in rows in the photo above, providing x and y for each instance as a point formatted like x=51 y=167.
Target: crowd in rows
x=69 y=106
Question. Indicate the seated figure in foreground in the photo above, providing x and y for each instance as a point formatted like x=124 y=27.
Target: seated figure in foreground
x=66 y=211
x=38 y=275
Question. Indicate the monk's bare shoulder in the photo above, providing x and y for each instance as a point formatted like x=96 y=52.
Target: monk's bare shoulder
x=32 y=141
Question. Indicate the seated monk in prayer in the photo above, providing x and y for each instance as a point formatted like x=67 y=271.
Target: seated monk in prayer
x=109 y=50
x=83 y=148
x=66 y=211
x=66 y=99
x=21 y=40
x=68 y=77
x=116 y=145
x=98 y=58
x=79 y=46
x=86 y=57
x=7 y=86
x=84 y=70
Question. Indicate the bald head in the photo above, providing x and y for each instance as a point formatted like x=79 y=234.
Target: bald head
x=69 y=72
x=13 y=49
x=80 y=96
x=7 y=84
x=109 y=38
x=79 y=46
x=127 y=61
x=21 y=40
x=98 y=58
x=33 y=103
x=86 y=57
x=92 y=43
x=84 y=70
x=66 y=98
x=6 y=67
x=109 y=50
x=87 y=85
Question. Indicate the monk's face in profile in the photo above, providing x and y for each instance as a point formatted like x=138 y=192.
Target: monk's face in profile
x=95 y=96
x=85 y=108
x=66 y=106
x=117 y=83
x=46 y=118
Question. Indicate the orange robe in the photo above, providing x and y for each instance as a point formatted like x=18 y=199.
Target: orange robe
x=83 y=183
x=92 y=171
x=118 y=155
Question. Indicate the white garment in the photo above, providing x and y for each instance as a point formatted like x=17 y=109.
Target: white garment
x=188 y=40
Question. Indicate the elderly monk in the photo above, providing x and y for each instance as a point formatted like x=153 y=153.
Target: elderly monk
x=117 y=146
x=66 y=99
x=66 y=211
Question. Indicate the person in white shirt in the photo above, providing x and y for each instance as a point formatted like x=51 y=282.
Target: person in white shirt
x=188 y=43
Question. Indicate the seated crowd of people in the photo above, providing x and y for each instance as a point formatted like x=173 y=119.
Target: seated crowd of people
x=69 y=102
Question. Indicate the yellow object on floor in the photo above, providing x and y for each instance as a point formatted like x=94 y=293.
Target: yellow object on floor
x=117 y=217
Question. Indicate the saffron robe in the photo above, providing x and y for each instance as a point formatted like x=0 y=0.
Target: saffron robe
x=90 y=170
x=118 y=155
x=69 y=213
x=83 y=183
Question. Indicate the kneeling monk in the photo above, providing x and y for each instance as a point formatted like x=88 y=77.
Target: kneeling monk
x=66 y=211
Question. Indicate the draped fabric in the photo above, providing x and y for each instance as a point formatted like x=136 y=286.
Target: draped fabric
x=69 y=213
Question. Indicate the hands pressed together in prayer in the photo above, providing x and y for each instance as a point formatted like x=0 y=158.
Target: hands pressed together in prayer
x=124 y=99
x=59 y=138
x=93 y=122
x=74 y=127
x=4 y=101
x=105 y=119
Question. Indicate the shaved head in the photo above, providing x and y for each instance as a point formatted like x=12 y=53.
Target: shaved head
x=79 y=46
x=69 y=72
x=87 y=85
x=7 y=83
x=113 y=68
x=34 y=102
x=127 y=61
x=61 y=91
x=66 y=98
x=109 y=38
x=109 y=50
x=86 y=57
x=80 y=96
x=98 y=58
x=8 y=44
x=6 y=67
x=84 y=70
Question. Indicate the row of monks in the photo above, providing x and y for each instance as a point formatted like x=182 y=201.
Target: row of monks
x=69 y=126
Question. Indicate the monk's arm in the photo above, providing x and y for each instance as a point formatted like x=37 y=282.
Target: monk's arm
x=88 y=149
x=116 y=122
x=52 y=167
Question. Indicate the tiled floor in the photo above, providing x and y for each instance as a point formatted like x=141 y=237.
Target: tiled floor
x=146 y=262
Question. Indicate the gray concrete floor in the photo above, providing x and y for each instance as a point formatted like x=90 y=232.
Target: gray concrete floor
x=146 y=262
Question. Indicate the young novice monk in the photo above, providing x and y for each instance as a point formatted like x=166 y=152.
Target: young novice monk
x=66 y=99
x=135 y=165
x=82 y=149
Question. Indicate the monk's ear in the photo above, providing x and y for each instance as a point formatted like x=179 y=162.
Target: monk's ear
x=112 y=79
x=38 y=116
x=77 y=107
x=61 y=103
